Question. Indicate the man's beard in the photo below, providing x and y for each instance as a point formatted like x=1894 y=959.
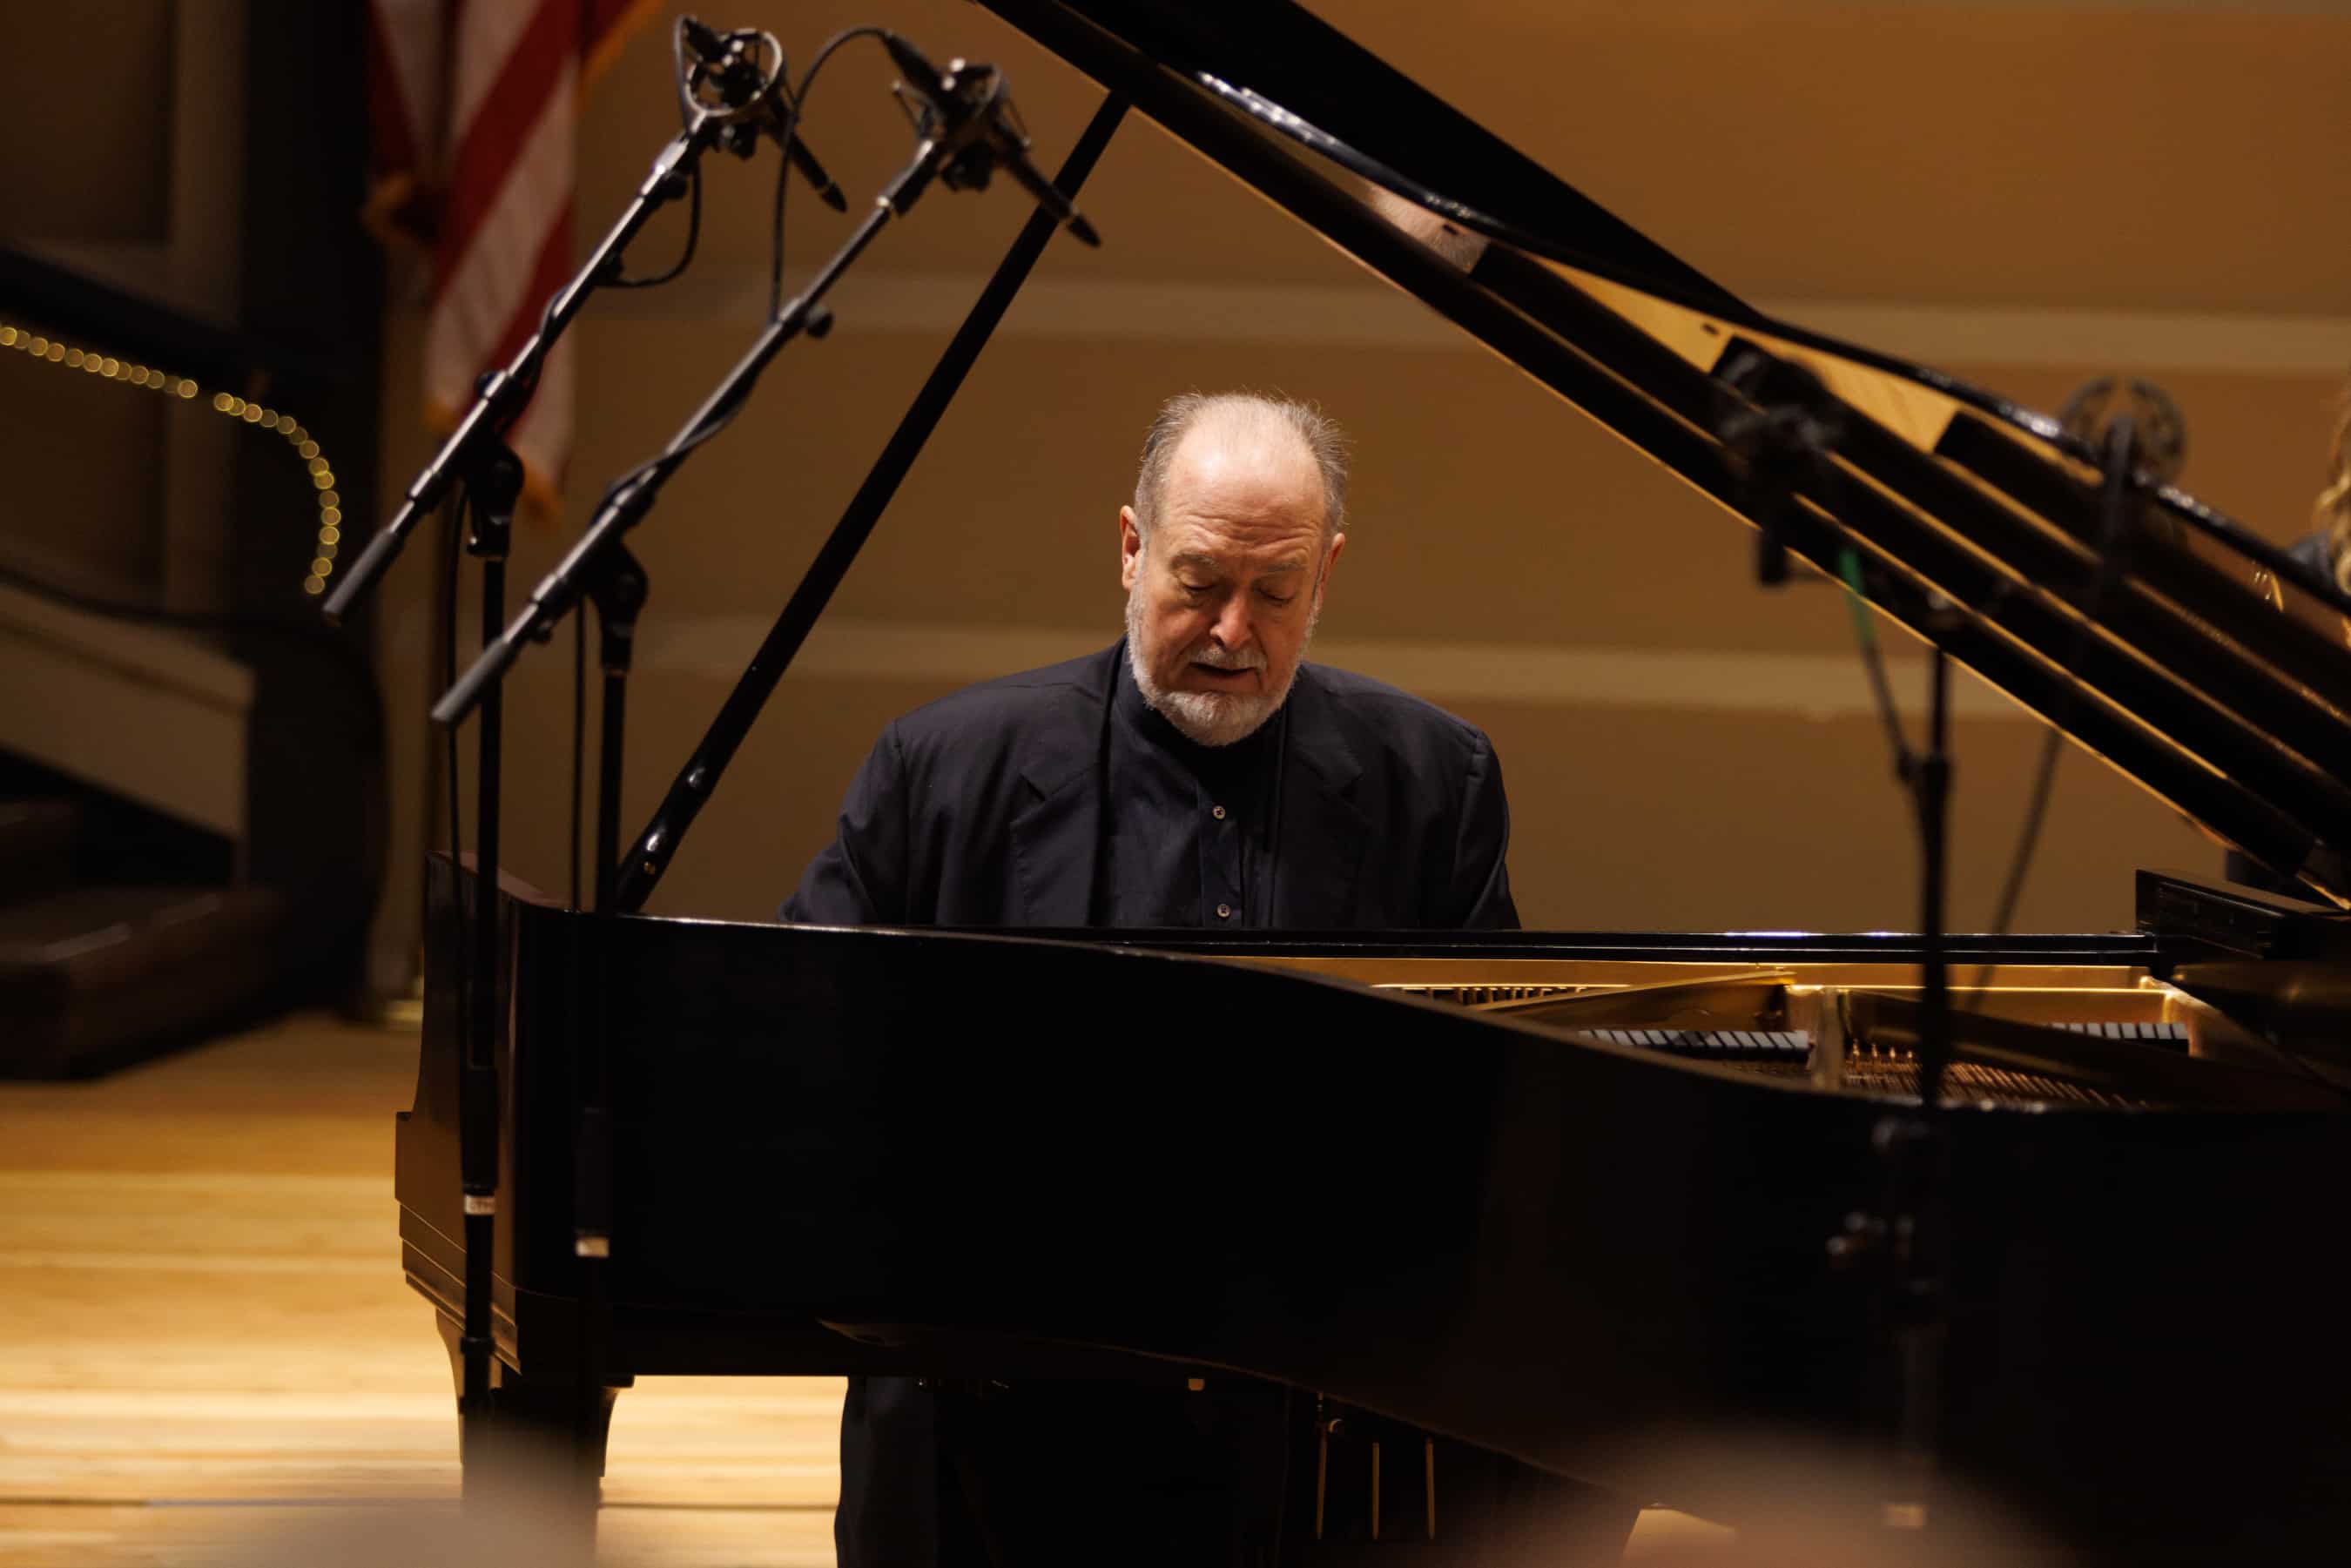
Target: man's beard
x=1208 y=718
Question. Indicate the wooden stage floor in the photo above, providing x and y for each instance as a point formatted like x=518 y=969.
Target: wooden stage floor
x=205 y=1344
x=204 y=1336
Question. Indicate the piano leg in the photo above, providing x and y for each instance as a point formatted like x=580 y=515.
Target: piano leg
x=541 y=1464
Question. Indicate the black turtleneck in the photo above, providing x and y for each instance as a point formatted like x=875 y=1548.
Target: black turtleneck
x=1188 y=829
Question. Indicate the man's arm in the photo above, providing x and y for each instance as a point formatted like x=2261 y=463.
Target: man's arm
x=1480 y=898
x=860 y=878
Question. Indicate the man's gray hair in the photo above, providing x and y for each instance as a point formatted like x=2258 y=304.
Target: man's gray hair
x=1315 y=430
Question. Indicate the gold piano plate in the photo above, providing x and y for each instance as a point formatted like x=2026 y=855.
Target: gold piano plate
x=2106 y=1036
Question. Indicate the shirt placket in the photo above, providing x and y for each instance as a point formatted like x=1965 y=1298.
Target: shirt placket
x=1221 y=902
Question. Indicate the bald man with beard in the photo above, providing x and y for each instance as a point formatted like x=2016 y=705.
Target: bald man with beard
x=1196 y=773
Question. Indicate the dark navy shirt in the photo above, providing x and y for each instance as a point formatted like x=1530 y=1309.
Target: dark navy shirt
x=1188 y=836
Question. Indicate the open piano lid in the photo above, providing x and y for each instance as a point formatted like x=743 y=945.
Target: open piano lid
x=2216 y=673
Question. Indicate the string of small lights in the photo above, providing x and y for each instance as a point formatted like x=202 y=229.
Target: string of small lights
x=49 y=350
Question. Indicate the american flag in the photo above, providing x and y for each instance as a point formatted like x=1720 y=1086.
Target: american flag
x=473 y=103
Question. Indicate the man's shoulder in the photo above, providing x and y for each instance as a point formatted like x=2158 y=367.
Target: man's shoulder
x=1389 y=712
x=1019 y=705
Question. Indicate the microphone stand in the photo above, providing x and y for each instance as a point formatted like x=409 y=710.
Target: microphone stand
x=476 y=462
x=734 y=120
x=489 y=500
x=1915 y=1146
x=501 y=395
x=1780 y=427
x=627 y=502
x=476 y=459
x=599 y=565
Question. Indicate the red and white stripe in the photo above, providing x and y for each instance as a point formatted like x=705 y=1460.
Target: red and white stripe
x=474 y=103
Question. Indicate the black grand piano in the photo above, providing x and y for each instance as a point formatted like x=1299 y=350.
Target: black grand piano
x=1617 y=1204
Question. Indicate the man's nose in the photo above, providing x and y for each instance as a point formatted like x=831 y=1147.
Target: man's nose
x=1234 y=629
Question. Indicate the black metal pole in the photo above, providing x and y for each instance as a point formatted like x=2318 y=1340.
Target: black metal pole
x=1916 y=1147
x=642 y=866
x=490 y=504
x=1933 y=786
x=608 y=786
x=618 y=587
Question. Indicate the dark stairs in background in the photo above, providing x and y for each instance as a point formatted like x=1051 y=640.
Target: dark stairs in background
x=96 y=973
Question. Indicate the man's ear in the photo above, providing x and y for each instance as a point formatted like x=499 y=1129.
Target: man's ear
x=1329 y=565
x=1130 y=549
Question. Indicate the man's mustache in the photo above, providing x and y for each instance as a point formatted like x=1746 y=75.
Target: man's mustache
x=1217 y=658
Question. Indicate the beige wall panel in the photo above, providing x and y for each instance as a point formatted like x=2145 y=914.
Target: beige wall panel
x=2123 y=156
x=1737 y=821
x=2118 y=155
x=1483 y=507
x=1621 y=819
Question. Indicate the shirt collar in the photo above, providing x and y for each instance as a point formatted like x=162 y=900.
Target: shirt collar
x=1247 y=758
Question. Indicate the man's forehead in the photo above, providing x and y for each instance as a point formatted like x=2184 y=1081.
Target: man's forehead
x=1224 y=555
x=1252 y=460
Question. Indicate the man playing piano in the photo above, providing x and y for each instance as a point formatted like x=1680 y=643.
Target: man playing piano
x=1196 y=773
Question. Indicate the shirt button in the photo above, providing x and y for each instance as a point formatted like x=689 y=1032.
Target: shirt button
x=1224 y=912
x=1217 y=812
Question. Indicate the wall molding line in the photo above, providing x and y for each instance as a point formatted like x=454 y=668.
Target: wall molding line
x=1369 y=316
x=1809 y=686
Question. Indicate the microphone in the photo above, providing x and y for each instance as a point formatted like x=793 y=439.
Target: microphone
x=2158 y=436
x=967 y=107
x=747 y=95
